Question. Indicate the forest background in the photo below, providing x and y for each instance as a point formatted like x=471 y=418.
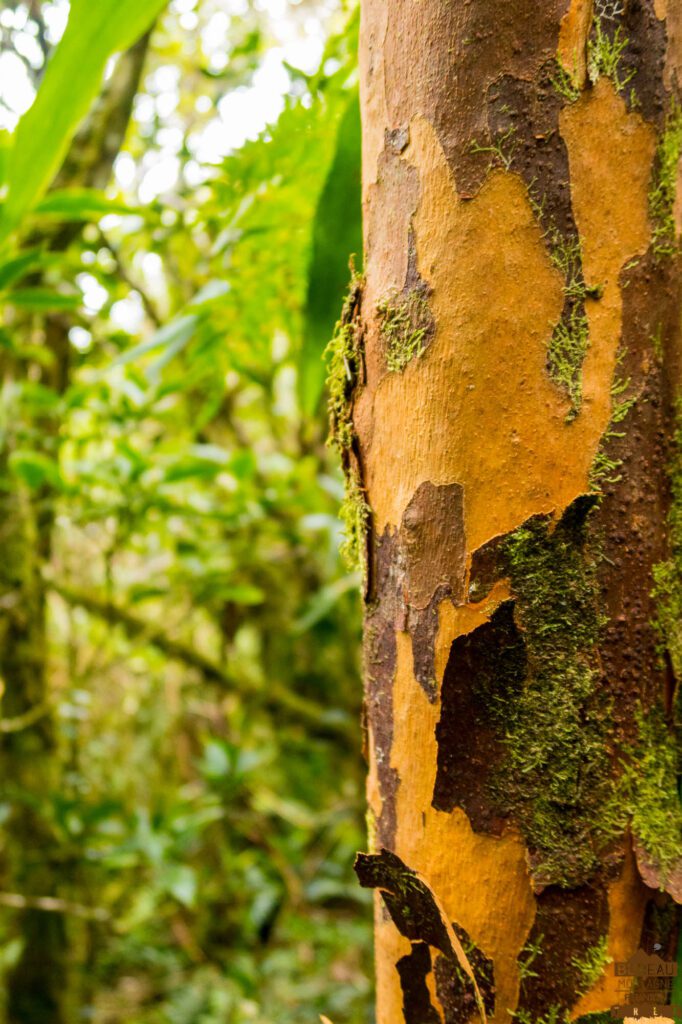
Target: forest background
x=180 y=744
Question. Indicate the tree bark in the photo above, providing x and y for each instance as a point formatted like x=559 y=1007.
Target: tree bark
x=508 y=422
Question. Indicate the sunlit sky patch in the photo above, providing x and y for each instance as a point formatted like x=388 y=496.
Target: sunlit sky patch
x=295 y=31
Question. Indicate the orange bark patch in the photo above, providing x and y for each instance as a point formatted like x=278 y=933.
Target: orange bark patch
x=610 y=155
x=489 y=417
x=573 y=33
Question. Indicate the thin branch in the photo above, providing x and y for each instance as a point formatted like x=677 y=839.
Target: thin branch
x=29 y=718
x=276 y=697
x=149 y=306
x=54 y=905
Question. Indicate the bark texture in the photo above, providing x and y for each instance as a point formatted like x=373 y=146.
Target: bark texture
x=510 y=429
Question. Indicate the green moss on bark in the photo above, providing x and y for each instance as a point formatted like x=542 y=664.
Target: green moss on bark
x=404 y=323
x=570 y=338
x=605 y=468
x=343 y=355
x=344 y=361
x=667 y=590
x=592 y=965
x=664 y=184
x=558 y=779
x=604 y=54
x=649 y=788
x=354 y=515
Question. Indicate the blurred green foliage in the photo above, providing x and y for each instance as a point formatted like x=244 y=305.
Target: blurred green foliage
x=169 y=526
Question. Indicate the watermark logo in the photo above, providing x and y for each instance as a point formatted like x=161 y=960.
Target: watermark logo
x=645 y=987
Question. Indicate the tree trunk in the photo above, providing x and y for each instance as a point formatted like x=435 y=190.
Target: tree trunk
x=508 y=423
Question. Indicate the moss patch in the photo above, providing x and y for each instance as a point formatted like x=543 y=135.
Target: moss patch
x=570 y=338
x=354 y=515
x=343 y=357
x=650 y=790
x=591 y=965
x=405 y=321
x=664 y=185
x=566 y=353
x=667 y=575
x=555 y=1015
x=557 y=778
x=344 y=363
x=605 y=468
x=604 y=54
x=564 y=82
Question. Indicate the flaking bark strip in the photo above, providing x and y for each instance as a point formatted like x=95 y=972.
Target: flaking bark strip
x=416 y=911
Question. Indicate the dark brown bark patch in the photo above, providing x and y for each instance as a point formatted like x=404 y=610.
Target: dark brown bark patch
x=523 y=117
x=568 y=924
x=413 y=969
x=410 y=901
x=456 y=53
x=455 y=991
x=526 y=115
x=417 y=915
x=636 y=493
x=380 y=662
x=432 y=538
x=643 y=57
x=423 y=627
x=660 y=928
x=485 y=673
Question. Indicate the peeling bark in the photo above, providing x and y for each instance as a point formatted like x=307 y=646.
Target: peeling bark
x=523 y=709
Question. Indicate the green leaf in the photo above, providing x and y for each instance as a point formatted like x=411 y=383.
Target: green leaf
x=181 y=882
x=337 y=235
x=43 y=300
x=72 y=80
x=172 y=338
x=323 y=601
x=5 y=146
x=35 y=469
x=80 y=204
x=185 y=469
x=14 y=269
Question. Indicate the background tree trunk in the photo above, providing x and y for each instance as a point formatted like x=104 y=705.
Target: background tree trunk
x=511 y=427
x=47 y=983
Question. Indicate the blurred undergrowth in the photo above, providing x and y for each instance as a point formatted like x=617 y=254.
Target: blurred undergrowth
x=182 y=786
